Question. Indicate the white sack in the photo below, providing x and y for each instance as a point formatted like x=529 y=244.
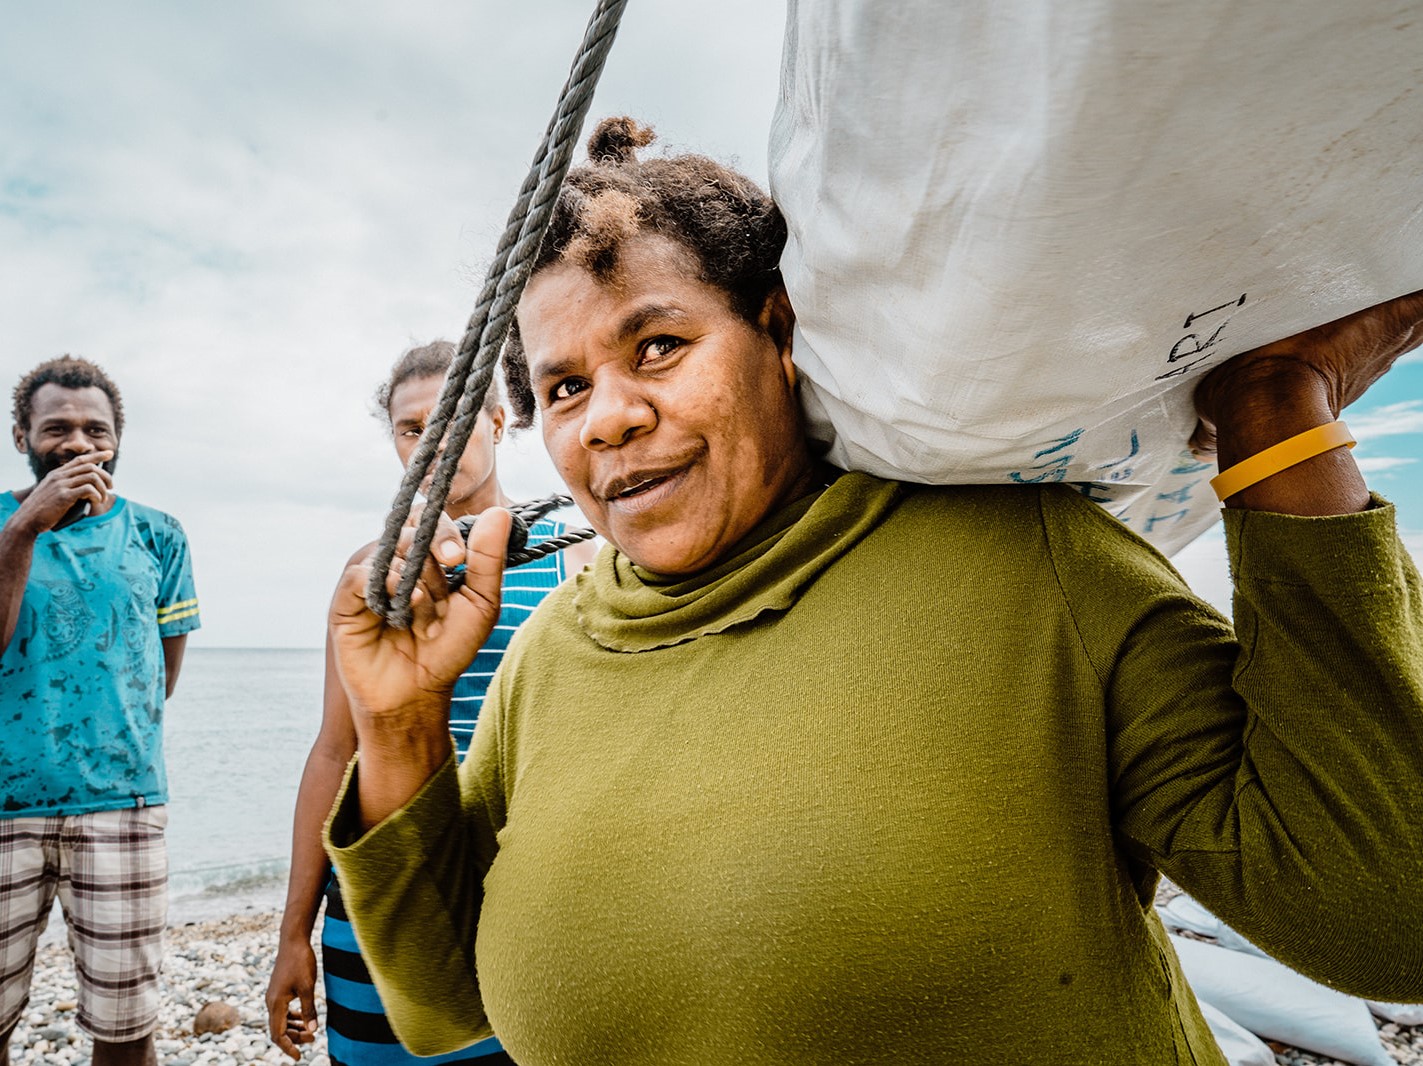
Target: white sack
x=1276 y=1003
x=1240 y=1046
x=1402 y=1013
x=1184 y=912
x=1020 y=230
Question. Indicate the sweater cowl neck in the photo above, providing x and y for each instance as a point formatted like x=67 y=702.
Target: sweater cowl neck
x=625 y=608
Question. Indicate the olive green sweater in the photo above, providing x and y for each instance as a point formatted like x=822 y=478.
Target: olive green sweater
x=893 y=785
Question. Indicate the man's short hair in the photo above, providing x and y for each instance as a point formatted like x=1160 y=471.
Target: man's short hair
x=68 y=372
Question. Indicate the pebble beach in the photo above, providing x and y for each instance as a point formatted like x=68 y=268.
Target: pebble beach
x=225 y=960
x=229 y=960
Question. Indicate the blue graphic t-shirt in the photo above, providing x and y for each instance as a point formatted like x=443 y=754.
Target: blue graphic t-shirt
x=82 y=680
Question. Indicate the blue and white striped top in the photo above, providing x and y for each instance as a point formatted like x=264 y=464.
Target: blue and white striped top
x=524 y=588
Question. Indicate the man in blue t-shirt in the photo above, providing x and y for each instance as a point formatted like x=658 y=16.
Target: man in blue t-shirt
x=96 y=601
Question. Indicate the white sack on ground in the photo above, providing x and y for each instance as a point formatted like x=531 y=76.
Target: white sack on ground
x=1274 y=1002
x=1402 y=1013
x=1021 y=230
x=1184 y=912
x=1240 y=1046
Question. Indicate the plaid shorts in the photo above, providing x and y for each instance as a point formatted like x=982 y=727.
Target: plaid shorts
x=110 y=869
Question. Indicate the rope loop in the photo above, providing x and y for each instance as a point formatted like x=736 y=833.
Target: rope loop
x=472 y=369
x=519 y=552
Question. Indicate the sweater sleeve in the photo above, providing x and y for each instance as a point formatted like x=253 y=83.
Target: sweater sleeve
x=413 y=887
x=1274 y=771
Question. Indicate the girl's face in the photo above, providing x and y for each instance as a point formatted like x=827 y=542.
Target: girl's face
x=410 y=405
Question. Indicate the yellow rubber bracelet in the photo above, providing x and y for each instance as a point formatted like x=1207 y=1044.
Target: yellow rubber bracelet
x=1281 y=456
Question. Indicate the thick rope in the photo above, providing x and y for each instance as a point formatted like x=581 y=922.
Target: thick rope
x=550 y=546
x=473 y=366
x=520 y=552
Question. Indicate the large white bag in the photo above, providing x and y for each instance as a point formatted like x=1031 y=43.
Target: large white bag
x=1240 y=1046
x=1020 y=230
x=1184 y=912
x=1273 y=1001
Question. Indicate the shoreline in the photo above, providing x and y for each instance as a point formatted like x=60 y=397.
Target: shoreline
x=209 y=905
x=221 y=946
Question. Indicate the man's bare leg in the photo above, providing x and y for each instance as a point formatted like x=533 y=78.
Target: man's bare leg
x=139 y=1052
x=5 y=1043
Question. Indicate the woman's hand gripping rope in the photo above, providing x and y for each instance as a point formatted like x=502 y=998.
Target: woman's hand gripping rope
x=399 y=681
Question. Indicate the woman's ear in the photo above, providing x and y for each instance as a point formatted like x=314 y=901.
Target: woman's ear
x=496 y=421
x=777 y=319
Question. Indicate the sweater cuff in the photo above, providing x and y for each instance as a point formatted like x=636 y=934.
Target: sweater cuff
x=425 y=818
x=1350 y=553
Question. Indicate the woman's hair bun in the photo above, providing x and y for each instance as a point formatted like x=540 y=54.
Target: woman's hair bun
x=616 y=141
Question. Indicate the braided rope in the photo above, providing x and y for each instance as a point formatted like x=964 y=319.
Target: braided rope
x=520 y=552
x=548 y=547
x=533 y=510
x=473 y=366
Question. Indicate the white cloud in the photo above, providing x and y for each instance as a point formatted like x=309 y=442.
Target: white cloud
x=246 y=213
x=1382 y=463
x=1389 y=420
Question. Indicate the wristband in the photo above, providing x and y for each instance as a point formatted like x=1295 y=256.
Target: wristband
x=1281 y=456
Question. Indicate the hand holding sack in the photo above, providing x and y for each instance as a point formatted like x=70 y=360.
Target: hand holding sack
x=1021 y=234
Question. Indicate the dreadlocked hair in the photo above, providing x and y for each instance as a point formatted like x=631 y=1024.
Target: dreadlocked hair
x=723 y=218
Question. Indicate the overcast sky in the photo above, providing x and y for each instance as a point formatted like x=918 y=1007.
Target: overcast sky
x=246 y=212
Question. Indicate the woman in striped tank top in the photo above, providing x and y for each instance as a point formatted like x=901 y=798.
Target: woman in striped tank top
x=356 y=1027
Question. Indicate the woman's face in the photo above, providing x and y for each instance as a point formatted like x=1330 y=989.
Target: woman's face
x=410 y=405
x=672 y=419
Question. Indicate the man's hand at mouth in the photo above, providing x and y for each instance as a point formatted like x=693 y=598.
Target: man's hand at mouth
x=81 y=479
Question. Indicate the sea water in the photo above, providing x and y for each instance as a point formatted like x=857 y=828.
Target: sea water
x=236 y=733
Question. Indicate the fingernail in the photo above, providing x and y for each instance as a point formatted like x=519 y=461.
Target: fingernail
x=450 y=552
